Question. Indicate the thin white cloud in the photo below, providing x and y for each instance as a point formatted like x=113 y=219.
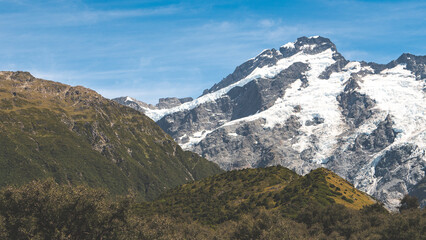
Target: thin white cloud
x=66 y=77
x=52 y=17
x=266 y=23
x=139 y=12
x=355 y=55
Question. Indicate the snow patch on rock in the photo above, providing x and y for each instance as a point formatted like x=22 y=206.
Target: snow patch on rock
x=398 y=93
x=289 y=45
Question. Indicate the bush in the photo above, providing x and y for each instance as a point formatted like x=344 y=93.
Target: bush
x=409 y=202
x=46 y=210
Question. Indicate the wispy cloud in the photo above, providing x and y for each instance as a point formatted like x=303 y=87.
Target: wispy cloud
x=355 y=55
x=75 y=16
x=91 y=16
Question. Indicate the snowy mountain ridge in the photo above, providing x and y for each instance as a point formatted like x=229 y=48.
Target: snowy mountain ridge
x=305 y=106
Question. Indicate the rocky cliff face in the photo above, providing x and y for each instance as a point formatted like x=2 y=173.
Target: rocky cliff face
x=305 y=106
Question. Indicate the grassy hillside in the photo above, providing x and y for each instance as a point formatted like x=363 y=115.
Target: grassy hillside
x=230 y=195
x=74 y=135
x=323 y=187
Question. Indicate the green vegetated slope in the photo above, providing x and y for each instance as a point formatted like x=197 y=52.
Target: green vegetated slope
x=46 y=210
x=74 y=135
x=230 y=195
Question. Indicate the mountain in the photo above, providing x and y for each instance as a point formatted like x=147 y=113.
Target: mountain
x=74 y=135
x=305 y=106
x=163 y=103
x=230 y=195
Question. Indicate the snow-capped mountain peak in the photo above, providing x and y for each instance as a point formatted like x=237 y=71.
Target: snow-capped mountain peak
x=305 y=106
x=308 y=51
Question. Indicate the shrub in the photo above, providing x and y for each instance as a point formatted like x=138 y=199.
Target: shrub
x=46 y=210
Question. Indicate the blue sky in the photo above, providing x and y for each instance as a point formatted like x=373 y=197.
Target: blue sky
x=151 y=49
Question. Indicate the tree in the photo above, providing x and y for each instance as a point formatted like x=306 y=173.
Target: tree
x=409 y=202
